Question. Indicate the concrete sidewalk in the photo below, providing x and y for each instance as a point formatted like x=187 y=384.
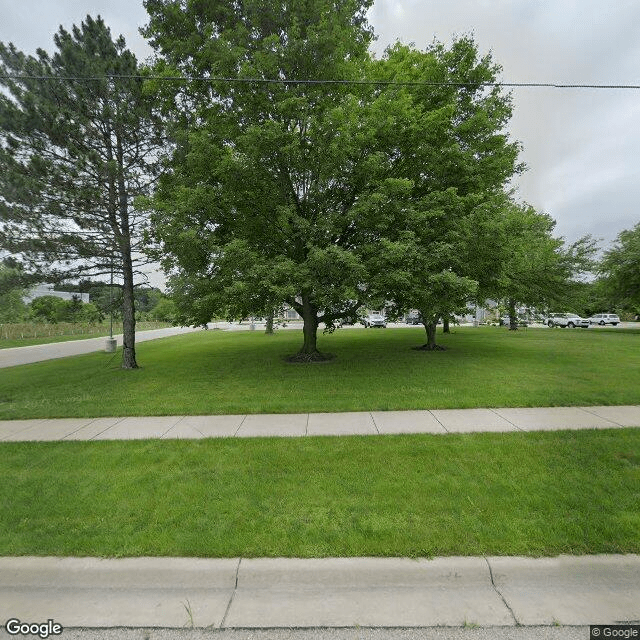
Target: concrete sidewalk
x=332 y=592
x=437 y=421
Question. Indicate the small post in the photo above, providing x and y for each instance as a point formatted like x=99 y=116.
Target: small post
x=110 y=343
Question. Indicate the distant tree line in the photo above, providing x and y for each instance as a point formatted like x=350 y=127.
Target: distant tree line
x=151 y=303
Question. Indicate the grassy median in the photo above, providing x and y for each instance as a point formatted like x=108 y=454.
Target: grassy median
x=219 y=372
x=534 y=494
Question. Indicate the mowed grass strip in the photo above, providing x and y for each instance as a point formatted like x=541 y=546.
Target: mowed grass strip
x=219 y=372
x=533 y=494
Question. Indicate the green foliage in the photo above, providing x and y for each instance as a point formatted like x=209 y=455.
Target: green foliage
x=12 y=307
x=13 y=276
x=147 y=298
x=288 y=193
x=260 y=206
x=456 y=159
x=164 y=310
x=53 y=310
x=532 y=267
x=90 y=313
x=620 y=271
x=109 y=298
x=12 y=282
x=79 y=140
x=59 y=145
x=48 y=309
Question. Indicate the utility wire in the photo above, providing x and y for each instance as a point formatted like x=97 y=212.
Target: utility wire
x=553 y=85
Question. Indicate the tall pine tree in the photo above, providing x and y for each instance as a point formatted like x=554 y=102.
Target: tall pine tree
x=79 y=140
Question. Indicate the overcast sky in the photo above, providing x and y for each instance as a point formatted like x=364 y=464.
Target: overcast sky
x=581 y=146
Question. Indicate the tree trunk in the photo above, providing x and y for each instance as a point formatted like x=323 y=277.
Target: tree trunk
x=309 y=328
x=430 y=323
x=269 y=327
x=128 y=300
x=128 y=315
x=445 y=325
x=309 y=351
x=513 y=318
x=430 y=328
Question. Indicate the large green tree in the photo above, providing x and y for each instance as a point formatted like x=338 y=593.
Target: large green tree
x=533 y=267
x=79 y=140
x=456 y=158
x=323 y=195
x=620 y=271
x=276 y=188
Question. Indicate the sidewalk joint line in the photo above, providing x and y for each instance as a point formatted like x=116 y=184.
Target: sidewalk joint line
x=194 y=428
x=172 y=426
x=92 y=420
x=306 y=425
x=235 y=588
x=235 y=433
x=440 y=423
x=495 y=588
x=593 y=413
x=115 y=424
x=507 y=419
x=374 y=423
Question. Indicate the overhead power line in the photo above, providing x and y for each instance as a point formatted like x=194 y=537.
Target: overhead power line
x=552 y=85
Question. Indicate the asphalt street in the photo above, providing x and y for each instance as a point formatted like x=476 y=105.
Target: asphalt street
x=423 y=633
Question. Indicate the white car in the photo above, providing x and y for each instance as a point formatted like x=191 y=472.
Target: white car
x=564 y=320
x=375 y=320
x=604 y=318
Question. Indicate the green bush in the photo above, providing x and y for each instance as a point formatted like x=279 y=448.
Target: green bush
x=53 y=310
x=164 y=311
x=12 y=308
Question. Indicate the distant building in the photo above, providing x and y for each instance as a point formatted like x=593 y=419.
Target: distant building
x=41 y=290
x=290 y=314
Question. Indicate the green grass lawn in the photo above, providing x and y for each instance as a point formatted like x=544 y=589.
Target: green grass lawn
x=534 y=494
x=218 y=372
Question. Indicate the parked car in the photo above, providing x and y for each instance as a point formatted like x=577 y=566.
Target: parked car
x=570 y=320
x=604 y=318
x=375 y=320
x=413 y=318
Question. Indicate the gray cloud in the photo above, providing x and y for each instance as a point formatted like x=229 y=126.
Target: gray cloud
x=582 y=146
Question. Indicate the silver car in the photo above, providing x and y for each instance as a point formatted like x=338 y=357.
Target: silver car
x=375 y=320
x=604 y=318
x=570 y=320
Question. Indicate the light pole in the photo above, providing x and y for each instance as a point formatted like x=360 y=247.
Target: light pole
x=111 y=343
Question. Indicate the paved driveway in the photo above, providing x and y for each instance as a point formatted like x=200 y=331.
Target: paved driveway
x=36 y=353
